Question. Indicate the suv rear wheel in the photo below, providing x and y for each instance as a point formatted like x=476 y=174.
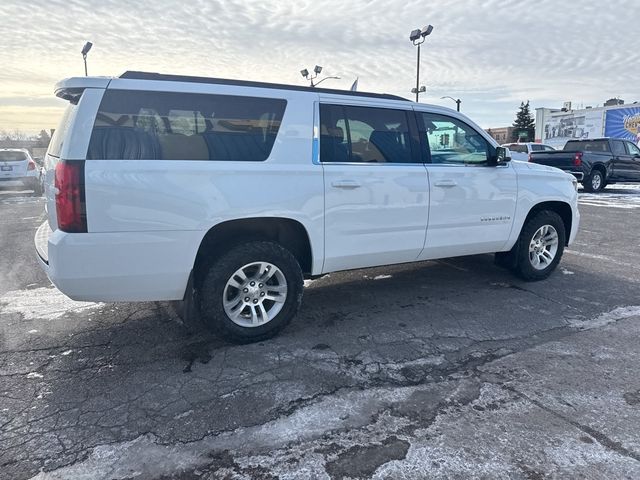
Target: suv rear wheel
x=250 y=293
x=541 y=244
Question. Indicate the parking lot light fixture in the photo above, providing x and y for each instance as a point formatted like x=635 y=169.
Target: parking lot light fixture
x=417 y=37
x=457 y=100
x=316 y=71
x=85 y=50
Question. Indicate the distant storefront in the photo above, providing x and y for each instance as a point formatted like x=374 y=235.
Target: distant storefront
x=501 y=134
x=556 y=126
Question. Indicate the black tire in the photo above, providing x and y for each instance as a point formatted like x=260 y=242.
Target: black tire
x=595 y=182
x=38 y=189
x=215 y=274
x=524 y=265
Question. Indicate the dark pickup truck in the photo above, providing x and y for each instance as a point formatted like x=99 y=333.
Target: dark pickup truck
x=595 y=162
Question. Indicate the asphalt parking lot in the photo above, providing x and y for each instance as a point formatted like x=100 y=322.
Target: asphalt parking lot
x=447 y=369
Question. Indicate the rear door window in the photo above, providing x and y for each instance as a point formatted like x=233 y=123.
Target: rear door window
x=139 y=125
x=365 y=135
x=618 y=147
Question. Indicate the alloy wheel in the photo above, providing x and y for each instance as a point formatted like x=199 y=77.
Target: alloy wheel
x=255 y=294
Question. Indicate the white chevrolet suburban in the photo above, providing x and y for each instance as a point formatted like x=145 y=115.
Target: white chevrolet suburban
x=225 y=194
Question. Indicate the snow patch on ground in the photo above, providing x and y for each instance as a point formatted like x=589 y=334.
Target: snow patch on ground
x=566 y=272
x=144 y=457
x=382 y=277
x=625 y=200
x=619 y=313
x=42 y=303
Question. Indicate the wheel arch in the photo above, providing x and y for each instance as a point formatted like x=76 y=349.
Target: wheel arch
x=561 y=208
x=289 y=233
x=602 y=168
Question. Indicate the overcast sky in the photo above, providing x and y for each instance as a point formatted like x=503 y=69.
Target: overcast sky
x=492 y=54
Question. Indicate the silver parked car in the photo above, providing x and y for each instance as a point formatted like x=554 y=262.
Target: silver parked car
x=17 y=168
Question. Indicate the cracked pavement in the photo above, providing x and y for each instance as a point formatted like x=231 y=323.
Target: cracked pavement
x=447 y=369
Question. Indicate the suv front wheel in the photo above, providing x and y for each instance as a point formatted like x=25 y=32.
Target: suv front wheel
x=250 y=293
x=541 y=244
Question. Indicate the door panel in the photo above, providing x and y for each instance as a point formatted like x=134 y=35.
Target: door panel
x=374 y=214
x=634 y=164
x=376 y=186
x=471 y=209
x=622 y=162
x=472 y=201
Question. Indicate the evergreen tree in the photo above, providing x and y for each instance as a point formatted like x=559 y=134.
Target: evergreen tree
x=43 y=138
x=524 y=127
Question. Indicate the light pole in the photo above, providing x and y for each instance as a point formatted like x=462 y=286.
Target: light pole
x=418 y=37
x=457 y=100
x=85 y=50
x=316 y=70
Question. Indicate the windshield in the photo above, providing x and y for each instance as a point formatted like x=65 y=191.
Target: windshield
x=11 y=156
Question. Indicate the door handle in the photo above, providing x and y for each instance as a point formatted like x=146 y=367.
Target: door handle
x=345 y=184
x=446 y=183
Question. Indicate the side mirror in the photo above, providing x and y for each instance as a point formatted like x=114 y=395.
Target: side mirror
x=503 y=155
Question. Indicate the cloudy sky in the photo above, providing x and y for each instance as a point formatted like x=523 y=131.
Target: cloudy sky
x=492 y=54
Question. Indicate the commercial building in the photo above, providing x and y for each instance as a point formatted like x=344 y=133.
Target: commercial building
x=501 y=134
x=556 y=126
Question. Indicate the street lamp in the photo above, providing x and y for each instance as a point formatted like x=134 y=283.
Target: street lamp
x=457 y=100
x=418 y=37
x=85 y=50
x=316 y=70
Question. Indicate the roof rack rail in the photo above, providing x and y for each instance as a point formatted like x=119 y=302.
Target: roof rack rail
x=247 y=83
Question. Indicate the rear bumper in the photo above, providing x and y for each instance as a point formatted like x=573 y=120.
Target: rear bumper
x=28 y=180
x=114 y=267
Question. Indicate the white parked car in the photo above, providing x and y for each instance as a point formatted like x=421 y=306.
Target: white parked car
x=521 y=151
x=225 y=194
x=17 y=168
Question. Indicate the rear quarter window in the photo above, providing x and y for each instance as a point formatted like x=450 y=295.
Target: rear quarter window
x=139 y=125
x=59 y=134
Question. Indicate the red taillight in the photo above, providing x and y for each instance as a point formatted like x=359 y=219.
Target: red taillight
x=70 y=208
x=577 y=159
x=31 y=165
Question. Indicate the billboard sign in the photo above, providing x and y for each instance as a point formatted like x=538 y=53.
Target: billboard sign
x=560 y=127
x=623 y=123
